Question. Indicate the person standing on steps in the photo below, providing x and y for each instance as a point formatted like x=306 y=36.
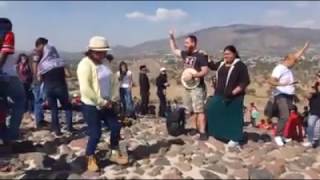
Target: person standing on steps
x=162 y=84
x=194 y=99
x=283 y=94
x=124 y=76
x=313 y=128
x=96 y=89
x=26 y=76
x=51 y=69
x=144 y=89
x=8 y=71
x=225 y=108
x=38 y=91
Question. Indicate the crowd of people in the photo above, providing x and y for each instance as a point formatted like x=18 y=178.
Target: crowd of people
x=30 y=81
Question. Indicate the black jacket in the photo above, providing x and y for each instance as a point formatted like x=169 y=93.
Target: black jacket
x=144 y=83
x=161 y=81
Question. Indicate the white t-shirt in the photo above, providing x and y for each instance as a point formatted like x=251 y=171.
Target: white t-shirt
x=104 y=74
x=126 y=81
x=285 y=75
x=10 y=66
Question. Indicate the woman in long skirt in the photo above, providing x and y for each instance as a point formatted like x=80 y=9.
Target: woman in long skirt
x=225 y=108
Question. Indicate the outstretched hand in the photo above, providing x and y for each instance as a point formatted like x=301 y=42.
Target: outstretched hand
x=306 y=45
x=171 y=32
x=299 y=53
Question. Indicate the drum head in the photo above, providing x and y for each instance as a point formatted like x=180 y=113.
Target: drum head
x=192 y=83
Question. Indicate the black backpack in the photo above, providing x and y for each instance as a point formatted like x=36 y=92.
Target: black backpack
x=5 y=27
x=176 y=122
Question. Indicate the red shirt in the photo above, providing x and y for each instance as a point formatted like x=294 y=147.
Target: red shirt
x=293 y=128
x=8 y=43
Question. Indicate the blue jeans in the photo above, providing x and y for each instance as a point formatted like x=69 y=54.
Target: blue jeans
x=94 y=118
x=126 y=101
x=38 y=100
x=15 y=91
x=313 y=128
x=53 y=94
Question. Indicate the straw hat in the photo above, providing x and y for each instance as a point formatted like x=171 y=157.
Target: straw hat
x=187 y=80
x=98 y=43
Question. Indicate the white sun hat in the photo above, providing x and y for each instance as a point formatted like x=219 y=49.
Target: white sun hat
x=186 y=79
x=98 y=43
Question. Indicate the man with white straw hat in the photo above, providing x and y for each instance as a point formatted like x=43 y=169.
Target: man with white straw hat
x=162 y=84
x=196 y=66
x=96 y=88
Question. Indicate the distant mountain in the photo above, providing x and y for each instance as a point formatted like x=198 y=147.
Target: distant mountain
x=249 y=39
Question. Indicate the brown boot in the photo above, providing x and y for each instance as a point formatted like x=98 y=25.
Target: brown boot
x=116 y=157
x=92 y=164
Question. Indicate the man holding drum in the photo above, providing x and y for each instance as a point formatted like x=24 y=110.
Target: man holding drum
x=195 y=69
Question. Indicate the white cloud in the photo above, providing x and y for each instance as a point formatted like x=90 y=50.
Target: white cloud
x=3 y=4
x=291 y=17
x=302 y=4
x=308 y=23
x=274 y=17
x=161 y=14
x=135 y=14
x=275 y=13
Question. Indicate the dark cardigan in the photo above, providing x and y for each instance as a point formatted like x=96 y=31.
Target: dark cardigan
x=239 y=77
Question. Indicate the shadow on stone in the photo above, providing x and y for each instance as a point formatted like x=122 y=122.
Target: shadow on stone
x=144 y=151
x=256 y=137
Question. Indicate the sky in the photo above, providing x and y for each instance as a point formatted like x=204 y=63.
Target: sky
x=70 y=24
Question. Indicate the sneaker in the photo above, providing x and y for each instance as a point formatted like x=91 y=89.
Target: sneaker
x=92 y=164
x=279 y=141
x=116 y=157
x=193 y=132
x=307 y=144
x=287 y=140
x=203 y=137
x=232 y=144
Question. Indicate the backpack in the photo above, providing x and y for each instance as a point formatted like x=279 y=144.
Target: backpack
x=5 y=27
x=176 y=122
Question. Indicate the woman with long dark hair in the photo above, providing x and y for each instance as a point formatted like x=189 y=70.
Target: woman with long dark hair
x=25 y=75
x=125 y=87
x=225 y=108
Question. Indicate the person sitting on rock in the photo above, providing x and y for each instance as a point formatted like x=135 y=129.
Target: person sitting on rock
x=96 y=84
x=293 y=127
x=254 y=114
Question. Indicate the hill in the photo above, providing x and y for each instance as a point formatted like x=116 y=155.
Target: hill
x=251 y=40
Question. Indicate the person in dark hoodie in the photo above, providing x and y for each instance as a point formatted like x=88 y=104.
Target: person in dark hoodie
x=162 y=84
x=144 y=89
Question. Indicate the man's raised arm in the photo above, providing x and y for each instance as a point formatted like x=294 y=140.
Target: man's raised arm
x=173 y=44
x=298 y=54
